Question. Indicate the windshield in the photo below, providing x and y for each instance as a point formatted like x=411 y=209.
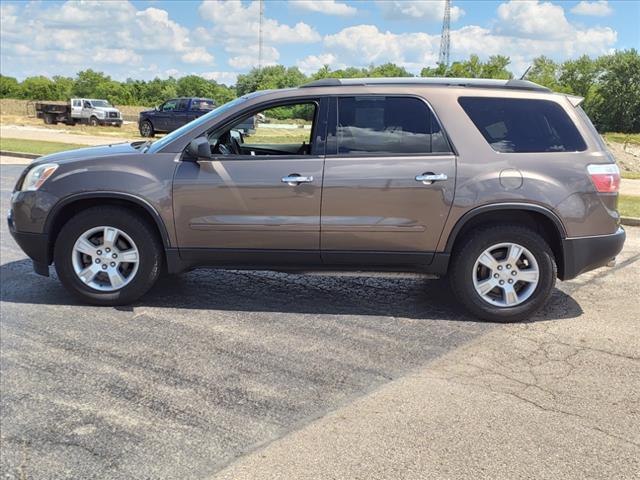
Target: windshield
x=100 y=103
x=155 y=146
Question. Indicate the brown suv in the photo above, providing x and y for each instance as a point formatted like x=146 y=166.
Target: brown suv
x=501 y=185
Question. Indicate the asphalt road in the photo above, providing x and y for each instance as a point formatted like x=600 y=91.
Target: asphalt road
x=209 y=366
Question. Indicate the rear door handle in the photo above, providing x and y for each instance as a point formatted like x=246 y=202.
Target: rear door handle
x=428 y=178
x=294 y=179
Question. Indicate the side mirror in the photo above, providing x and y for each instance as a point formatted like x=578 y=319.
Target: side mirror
x=200 y=149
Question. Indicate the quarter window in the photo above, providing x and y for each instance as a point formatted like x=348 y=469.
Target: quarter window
x=389 y=125
x=523 y=125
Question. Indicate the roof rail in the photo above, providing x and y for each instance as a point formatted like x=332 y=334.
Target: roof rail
x=512 y=84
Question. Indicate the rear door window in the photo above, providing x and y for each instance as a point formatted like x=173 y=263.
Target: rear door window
x=517 y=125
x=183 y=103
x=387 y=125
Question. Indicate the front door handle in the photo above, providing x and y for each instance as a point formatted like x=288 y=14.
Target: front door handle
x=428 y=178
x=294 y=179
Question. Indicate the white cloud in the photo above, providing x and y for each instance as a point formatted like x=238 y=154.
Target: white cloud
x=116 y=56
x=228 y=78
x=197 y=55
x=89 y=34
x=598 y=8
x=432 y=10
x=172 y=72
x=328 y=7
x=533 y=19
x=236 y=26
x=523 y=30
x=362 y=45
x=313 y=63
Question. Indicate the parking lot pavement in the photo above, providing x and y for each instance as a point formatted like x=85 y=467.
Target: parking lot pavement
x=209 y=366
x=547 y=399
x=203 y=369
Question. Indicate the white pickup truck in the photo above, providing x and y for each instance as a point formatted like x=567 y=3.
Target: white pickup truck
x=79 y=110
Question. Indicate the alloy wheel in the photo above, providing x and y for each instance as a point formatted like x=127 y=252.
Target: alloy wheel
x=506 y=274
x=105 y=258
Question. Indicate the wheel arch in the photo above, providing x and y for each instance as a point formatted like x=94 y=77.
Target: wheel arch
x=536 y=217
x=70 y=206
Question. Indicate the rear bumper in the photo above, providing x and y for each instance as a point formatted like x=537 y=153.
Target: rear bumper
x=587 y=253
x=35 y=245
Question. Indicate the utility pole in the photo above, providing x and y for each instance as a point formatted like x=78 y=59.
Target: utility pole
x=444 y=38
x=260 y=35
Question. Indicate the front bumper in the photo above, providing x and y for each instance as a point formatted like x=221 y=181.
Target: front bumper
x=110 y=121
x=35 y=245
x=588 y=253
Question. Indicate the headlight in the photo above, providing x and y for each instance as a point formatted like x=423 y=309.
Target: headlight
x=37 y=176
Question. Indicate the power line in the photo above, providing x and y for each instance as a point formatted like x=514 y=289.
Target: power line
x=444 y=38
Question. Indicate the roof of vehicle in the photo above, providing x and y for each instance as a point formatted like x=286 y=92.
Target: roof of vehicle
x=193 y=98
x=512 y=84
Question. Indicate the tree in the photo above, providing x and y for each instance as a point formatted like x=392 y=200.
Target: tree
x=388 y=70
x=495 y=67
x=438 y=71
x=616 y=106
x=63 y=87
x=579 y=76
x=194 y=86
x=544 y=71
x=87 y=82
x=9 y=87
x=38 y=88
x=271 y=77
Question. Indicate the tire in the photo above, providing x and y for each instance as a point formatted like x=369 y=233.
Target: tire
x=93 y=121
x=49 y=119
x=146 y=129
x=138 y=277
x=469 y=276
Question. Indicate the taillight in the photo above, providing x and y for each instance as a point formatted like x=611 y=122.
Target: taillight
x=606 y=178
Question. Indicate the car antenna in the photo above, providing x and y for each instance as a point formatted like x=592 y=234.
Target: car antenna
x=525 y=72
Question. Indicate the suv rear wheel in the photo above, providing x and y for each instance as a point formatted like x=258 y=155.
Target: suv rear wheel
x=146 y=129
x=107 y=256
x=503 y=273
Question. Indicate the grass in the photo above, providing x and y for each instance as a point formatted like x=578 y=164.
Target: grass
x=630 y=175
x=268 y=135
x=629 y=206
x=37 y=147
x=631 y=138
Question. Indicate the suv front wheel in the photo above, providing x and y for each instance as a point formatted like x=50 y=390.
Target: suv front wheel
x=107 y=256
x=503 y=273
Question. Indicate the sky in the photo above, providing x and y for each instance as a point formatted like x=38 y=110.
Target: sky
x=144 y=39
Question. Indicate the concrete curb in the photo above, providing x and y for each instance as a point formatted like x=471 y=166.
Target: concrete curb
x=19 y=154
x=630 y=221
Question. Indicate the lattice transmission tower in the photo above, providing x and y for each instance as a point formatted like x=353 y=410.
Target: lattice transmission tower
x=444 y=38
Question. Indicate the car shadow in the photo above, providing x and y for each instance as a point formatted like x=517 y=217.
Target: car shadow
x=264 y=291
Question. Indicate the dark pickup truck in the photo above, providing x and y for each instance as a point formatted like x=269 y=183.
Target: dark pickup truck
x=173 y=114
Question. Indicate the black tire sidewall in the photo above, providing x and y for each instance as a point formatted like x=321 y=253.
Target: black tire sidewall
x=93 y=121
x=464 y=262
x=149 y=251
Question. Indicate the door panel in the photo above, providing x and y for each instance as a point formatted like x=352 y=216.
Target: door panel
x=244 y=204
x=375 y=204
